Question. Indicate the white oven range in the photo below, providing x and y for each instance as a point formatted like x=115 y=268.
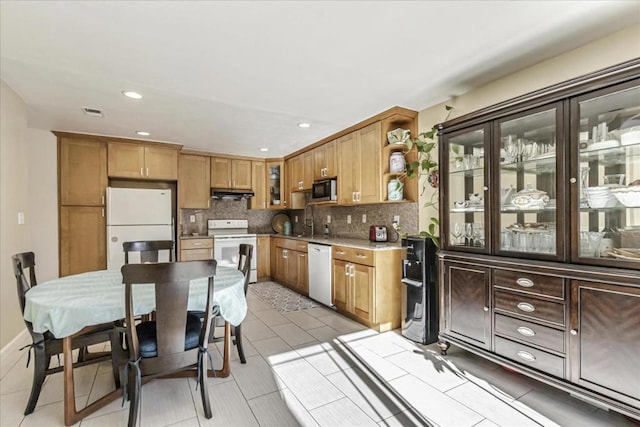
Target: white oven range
x=228 y=235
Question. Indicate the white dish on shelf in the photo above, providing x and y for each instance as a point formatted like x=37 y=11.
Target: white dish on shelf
x=628 y=196
x=630 y=138
x=602 y=145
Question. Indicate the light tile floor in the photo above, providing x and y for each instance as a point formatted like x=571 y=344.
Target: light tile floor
x=317 y=368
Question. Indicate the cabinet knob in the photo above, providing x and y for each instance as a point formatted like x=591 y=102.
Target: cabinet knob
x=573 y=332
x=527 y=332
x=485 y=308
x=573 y=180
x=485 y=188
x=525 y=355
x=524 y=282
x=525 y=306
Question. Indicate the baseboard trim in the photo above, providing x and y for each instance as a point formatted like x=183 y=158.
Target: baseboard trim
x=13 y=345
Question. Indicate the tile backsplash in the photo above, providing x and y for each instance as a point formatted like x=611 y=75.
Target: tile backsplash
x=260 y=220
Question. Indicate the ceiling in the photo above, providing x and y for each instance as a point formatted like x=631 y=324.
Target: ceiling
x=234 y=77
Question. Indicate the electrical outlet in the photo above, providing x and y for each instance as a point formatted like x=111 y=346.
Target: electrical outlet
x=348 y=219
x=364 y=218
x=328 y=219
x=396 y=219
x=192 y=218
x=295 y=218
x=20 y=218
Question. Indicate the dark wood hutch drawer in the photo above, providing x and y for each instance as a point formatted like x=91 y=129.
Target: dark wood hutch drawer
x=530 y=356
x=531 y=283
x=529 y=332
x=524 y=305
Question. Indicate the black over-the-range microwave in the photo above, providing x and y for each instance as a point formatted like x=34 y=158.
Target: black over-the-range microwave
x=325 y=190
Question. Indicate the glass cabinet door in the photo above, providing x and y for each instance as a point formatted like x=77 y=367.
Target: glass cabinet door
x=275 y=180
x=466 y=224
x=606 y=181
x=527 y=190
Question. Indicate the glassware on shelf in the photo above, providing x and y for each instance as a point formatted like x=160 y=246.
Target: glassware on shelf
x=456 y=232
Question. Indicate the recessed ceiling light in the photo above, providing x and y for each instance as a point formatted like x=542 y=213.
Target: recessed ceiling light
x=264 y=149
x=304 y=125
x=131 y=94
x=143 y=133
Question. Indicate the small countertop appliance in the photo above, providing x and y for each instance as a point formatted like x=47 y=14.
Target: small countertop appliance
x=378 y=233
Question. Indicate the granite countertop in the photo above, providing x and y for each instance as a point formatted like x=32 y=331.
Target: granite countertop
x=355 y=243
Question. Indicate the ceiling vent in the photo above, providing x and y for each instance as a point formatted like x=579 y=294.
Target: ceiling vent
x=93 y=112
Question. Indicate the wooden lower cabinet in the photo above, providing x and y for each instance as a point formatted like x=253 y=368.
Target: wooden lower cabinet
x=289 y=264
x=605 y=339
x=196 y=249
x=575 y=328
x=366 y=285
x=82 y=239
x=263 y=254
x=466 y=312
x=302 y=273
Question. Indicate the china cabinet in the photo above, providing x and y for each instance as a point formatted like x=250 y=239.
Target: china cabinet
x=540 y=215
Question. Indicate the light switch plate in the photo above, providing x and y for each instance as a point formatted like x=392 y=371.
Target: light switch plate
x=295 y=218
x=20 y=218
x=396 y=219
x=348 y=219
x=328 y=219
x=192 y=218
x=364 y=218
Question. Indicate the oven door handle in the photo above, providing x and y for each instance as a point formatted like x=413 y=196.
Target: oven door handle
x=221 y=239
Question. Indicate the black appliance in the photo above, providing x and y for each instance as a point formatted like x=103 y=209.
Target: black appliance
x=420 y=294
x=325 y=190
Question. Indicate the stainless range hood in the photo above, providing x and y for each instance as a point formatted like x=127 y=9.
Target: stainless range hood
x=229 y=194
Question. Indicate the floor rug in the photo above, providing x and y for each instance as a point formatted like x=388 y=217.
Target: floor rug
x=281 y=298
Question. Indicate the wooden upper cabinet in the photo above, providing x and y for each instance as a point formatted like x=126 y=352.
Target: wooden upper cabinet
x=194 y=181
x=161 y=163
x=368 y=182
x=307 y=170
x=324 y=161
x=241 y=174
x=82 y=171
x=129 y=160
x=230 y=173
x=220 y=172
x=258 y=185
x=347 y=149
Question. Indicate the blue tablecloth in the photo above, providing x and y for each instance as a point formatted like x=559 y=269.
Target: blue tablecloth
x=65 y=306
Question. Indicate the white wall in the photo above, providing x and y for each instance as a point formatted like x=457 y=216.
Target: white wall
x=14 y=198
x=28 y=184
x=614 y=49
x=43 y=201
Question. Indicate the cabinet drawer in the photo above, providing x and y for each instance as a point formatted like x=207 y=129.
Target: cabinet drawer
x=527 y=282
x=532 y=307
x=354 y=255
x=196 y=243
x=530 y=356
x=532 y=333
x=293 y=244
x=196 y=254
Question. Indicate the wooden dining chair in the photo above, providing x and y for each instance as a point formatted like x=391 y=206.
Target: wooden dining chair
x=176 y=340
x=149 y=250
x=244 y=265
x=45 y=345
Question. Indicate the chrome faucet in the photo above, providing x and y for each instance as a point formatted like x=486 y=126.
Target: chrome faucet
x=308 y=219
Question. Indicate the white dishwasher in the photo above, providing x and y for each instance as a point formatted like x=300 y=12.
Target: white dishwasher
x=320 y=273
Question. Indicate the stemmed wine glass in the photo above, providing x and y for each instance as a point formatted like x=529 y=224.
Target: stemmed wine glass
x=456 y=232
x=478 y=233
x=468 y=232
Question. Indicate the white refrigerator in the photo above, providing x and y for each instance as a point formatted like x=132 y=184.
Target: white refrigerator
x=137 y=214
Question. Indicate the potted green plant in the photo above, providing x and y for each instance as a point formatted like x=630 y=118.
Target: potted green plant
x=427 y=165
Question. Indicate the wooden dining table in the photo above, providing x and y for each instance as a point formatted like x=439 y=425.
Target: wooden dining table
x=70 y=306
